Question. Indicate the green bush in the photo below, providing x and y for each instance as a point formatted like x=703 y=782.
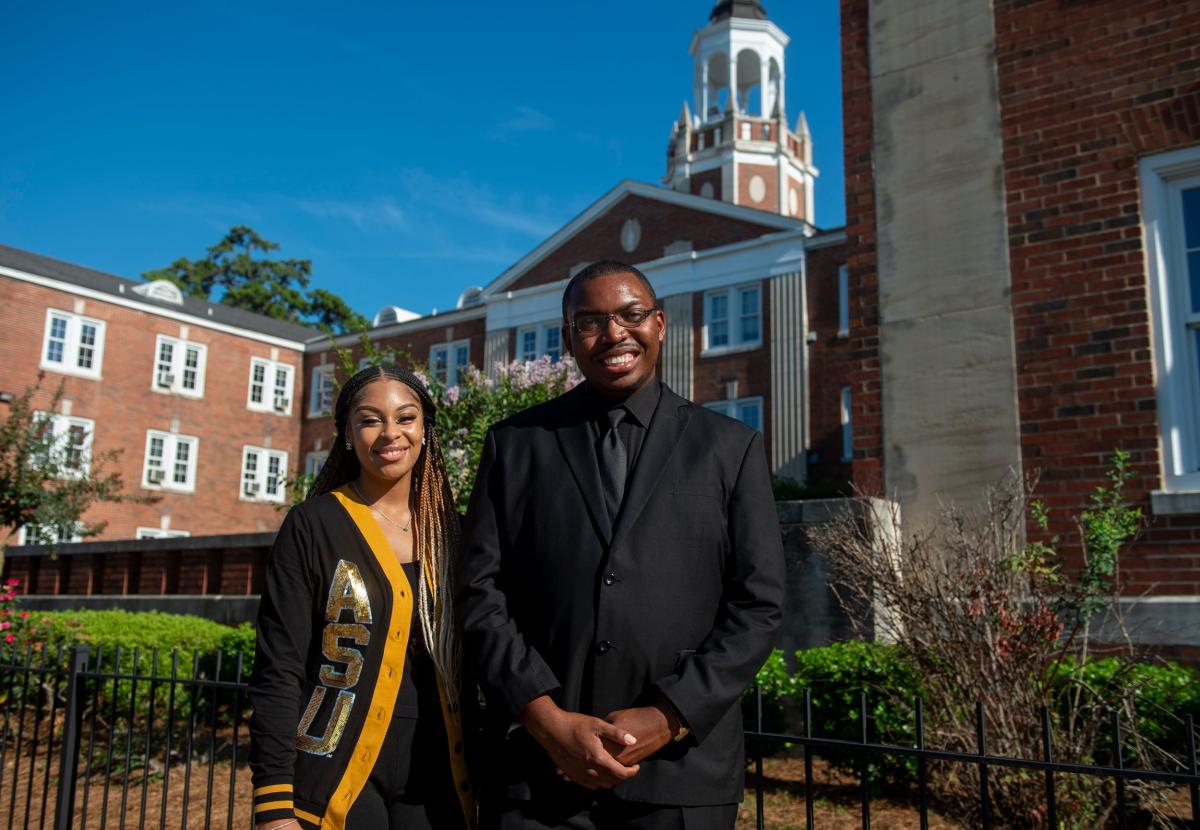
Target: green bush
x=837 y=674
x=137 y=635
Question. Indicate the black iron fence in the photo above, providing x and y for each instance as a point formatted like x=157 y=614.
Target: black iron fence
x=126 y=739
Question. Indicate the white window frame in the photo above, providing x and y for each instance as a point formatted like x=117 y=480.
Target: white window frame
x=847 y=425
x=733 y=319
x=60 y=429
x=543 y=335
x=1164 y=177
x=160 y=533
x=314 y=461
x=170 y=457
x=72 y=344
x=450 y=349
x=734 y=407
x=76 y=536
x=272 y=401
x=843 y=301
x=166 y=378
x=254 y=484
x=322 y=379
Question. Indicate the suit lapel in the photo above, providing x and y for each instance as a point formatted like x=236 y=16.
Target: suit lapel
x=670 y=419
x=575 y=440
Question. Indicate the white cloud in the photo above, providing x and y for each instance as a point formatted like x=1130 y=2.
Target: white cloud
x=382 y=211
x=523 y=120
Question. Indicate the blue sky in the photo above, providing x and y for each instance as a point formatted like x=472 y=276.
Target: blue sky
x=408 y=149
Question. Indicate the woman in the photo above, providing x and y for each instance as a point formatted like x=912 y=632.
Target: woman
x=355 y=684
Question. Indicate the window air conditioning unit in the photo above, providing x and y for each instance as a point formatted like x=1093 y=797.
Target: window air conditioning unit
x=166 y=379
x=282 y=403
x=251 y=488
x=155 y=476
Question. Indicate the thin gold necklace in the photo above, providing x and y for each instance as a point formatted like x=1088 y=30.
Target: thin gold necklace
x=380 y=512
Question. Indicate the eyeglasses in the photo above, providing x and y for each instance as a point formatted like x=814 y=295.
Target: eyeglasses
x=629 y=318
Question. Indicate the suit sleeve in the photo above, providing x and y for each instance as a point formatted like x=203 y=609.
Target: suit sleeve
x=711 y=682
x=285 y=629
x=510 y=671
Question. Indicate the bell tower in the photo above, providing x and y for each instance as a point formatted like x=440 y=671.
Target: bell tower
x=733 y=142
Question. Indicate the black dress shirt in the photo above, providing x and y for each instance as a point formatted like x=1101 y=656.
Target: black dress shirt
x=639 y=410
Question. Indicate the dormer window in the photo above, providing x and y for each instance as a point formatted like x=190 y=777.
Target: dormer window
x=164 y=290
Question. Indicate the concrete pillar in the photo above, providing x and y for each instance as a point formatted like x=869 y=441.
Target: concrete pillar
x=789 y=376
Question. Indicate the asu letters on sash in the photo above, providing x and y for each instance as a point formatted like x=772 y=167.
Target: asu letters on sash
x=346 y=593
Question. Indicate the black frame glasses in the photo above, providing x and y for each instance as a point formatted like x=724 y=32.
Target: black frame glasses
x=628 y=318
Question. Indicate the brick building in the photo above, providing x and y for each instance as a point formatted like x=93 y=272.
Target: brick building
x=199 y=399
x=1023 y=246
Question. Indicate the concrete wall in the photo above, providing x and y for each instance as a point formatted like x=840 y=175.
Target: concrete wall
x=945 y=314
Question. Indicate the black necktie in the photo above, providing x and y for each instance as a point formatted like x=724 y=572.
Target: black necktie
x=613 y=460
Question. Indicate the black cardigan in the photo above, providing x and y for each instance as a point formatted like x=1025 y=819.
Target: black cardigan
x=333 y=628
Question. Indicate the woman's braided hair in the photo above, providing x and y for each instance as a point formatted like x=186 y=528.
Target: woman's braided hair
x=434 y=519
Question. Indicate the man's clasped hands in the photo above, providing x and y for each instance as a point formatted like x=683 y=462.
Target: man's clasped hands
x=595 y=753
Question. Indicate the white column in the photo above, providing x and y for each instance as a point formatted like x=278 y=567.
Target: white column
x=764 y=88
x=704 y=92
x=733 y=107
x=789 y=376
x=495 y=350
x=678 y=344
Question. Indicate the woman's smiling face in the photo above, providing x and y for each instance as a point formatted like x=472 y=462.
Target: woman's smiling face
x=386 y=428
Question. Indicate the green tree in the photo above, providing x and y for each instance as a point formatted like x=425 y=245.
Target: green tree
x=49 y=481
x=240 y=268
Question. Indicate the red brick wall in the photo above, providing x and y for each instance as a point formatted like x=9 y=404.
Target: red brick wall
x=124 y=407
x=863 y=369
x=770 y=177
x=751 y=368
x=1085 y=90
x=829 y=364
x=713 y=177
x=661 y=224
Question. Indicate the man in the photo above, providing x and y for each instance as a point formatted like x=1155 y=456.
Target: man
x=622 y=582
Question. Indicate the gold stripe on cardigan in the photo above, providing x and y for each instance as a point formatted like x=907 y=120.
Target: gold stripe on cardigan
x=391 y=668
x=454 y=733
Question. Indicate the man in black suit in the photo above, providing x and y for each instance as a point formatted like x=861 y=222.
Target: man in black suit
x=622 y=582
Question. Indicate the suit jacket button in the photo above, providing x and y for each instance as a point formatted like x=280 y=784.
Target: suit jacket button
x=603 y=646
x=609 y=579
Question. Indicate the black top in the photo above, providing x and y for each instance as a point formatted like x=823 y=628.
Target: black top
x=418 y=687
x=639 y=408
x=738 y=8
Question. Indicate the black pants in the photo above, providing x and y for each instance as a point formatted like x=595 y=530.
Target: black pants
x=411 y=786
x=610 y=814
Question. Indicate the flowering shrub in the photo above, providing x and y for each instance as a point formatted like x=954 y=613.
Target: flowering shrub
x=11 y=620
x=467 y=409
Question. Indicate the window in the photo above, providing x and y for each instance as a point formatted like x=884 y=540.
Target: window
x=71 y=443
x=843 y=301
x=170 y=462
x=448 y=359
x=543 y=339
x=747 y=410
x=263 y=474
x=732 y=318
x=323 y=392
x=1171 y=204
x=314 y=461
x=847 y=427
x=73 y=345
x=270 y=386
x=179 y=366
x=32 y=534
x=160 y=533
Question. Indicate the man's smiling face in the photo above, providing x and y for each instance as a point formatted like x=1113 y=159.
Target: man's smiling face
x=617 y=361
